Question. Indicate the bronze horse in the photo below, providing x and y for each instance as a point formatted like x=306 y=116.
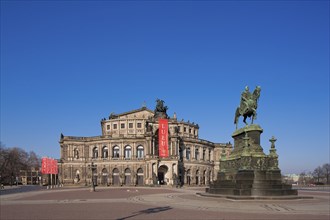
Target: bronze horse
x=248 y=105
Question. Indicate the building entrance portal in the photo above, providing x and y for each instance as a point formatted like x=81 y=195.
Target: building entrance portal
x=162 y=170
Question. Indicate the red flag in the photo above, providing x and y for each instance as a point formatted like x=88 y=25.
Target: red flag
x=55 y=170
x=44 y=165
x=163 y=137
x=52 y=166
x=49 y=166
x=56 y=167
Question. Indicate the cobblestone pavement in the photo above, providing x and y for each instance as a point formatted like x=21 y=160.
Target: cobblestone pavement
x=154 y=203
x=19 y=189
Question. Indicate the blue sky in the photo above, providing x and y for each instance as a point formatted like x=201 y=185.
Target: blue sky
x=67 y=64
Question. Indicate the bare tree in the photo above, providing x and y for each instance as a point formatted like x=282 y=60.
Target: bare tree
x=4 y=159
x=326 y=171
x=318 y=173
x=302 y=179
x=33 y=160
x=12 y=160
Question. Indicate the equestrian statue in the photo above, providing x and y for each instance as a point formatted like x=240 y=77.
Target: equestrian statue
x=248 y=105
x=160 y=110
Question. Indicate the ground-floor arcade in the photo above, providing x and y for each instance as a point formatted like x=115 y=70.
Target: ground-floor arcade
x=138 y=173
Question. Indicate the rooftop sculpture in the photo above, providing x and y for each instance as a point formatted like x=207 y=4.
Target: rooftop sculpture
x=160 y=110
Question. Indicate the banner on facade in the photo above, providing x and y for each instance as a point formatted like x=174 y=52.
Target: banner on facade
x=163 y=138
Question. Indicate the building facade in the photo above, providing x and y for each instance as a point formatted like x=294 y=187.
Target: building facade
x=127 y=153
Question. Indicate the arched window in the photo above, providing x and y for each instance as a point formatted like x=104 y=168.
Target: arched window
x=204 y=150
x=188 y=153
x=196 y=154
x=115 y=152
x=140 y=152
x=105 y=152
x=95 y=152
x=128 y=152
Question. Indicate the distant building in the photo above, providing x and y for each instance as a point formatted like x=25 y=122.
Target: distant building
x=291 y=178
x=298 y=179
x=29 y=177
x=127 y=153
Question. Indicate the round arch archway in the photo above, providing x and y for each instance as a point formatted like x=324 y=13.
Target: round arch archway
x=115 y=177
x=140 y=179
x=127 y=180
x=162 y=170
x=104 y=180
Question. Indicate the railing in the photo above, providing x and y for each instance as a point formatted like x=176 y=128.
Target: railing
x=312 y=188
x=82 y=138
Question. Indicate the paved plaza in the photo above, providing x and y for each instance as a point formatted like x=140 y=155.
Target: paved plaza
x=155 y=203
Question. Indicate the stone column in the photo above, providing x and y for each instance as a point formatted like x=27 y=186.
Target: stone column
x=133 y=151
x=153 y=147
x=110 y=151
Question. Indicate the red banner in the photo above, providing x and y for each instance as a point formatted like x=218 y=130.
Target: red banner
x=49 y=166
x=44 y=161
x=53 y=168
x=56 y=167
x=163 y=138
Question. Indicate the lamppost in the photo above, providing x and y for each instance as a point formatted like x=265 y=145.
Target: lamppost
x=93 y=168
x=62 y=173
x=85 y=174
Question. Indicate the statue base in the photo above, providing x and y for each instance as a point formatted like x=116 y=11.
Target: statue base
x=248 y=171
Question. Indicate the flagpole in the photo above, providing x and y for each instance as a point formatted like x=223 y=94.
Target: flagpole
x=51 y=174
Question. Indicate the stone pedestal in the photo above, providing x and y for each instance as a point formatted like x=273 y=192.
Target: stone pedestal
x=248 y=171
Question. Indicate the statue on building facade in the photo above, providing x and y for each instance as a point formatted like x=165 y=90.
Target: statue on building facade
x=248 y=105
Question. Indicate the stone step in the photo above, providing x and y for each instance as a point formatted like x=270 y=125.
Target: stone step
x=273 y=192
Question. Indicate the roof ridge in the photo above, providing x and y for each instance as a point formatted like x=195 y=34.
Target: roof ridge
x=135 y=110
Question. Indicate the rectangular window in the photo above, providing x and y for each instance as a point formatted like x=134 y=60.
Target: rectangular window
x=114 y=126
x=130 y=125
x=108 y=127
x=139 y=125
x=122 y=125
x=184 y=129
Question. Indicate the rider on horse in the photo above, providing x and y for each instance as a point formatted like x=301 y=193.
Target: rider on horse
x=248 y=105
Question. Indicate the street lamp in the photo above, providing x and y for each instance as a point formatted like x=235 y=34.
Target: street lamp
x=85 y=174
x=93 y=168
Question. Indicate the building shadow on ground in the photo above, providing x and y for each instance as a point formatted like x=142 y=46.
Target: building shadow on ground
x=147 y=211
